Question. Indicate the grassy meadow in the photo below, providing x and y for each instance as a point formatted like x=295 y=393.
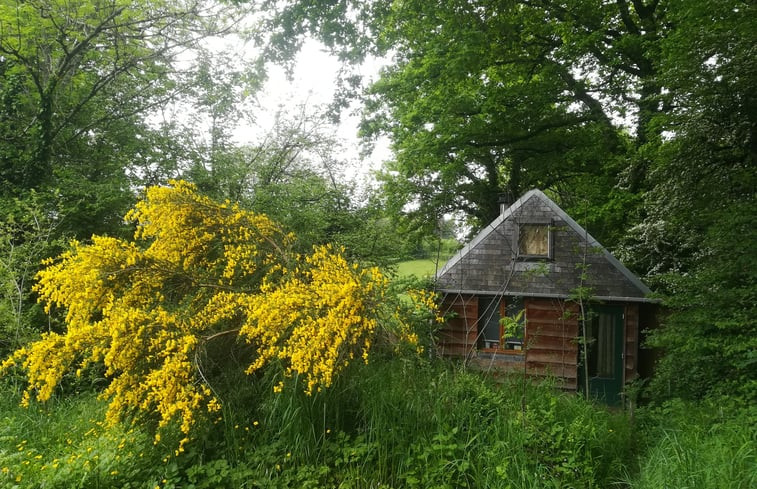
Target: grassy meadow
x=396 y=423
x=421 y=268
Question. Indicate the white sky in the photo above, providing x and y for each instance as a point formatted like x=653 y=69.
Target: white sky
x=313 y=85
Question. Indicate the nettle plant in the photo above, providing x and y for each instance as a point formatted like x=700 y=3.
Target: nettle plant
x=197 y=271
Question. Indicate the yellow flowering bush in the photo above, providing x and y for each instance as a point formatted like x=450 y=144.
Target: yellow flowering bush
x=418 y=312
x=197 y=270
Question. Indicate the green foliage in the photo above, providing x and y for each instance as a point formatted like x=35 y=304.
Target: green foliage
x=394 y=424
x=697 y=241
x=27 y=235
x=78 y=82
x=445 y=428
x=483 y=98
x=295 y=176
x=514 y=325
x=710 y=336
x=63 y=446
x=476 y=107
x=697 y=446
x=437 y=246
x=82 y=74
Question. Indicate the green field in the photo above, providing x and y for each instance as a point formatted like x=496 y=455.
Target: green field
x=419 y=268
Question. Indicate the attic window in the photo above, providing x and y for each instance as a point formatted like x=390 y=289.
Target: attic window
x=534 y=241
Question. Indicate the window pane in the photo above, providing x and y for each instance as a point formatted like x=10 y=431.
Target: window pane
x=488 y=321
x=534 y=240
x=517 y=326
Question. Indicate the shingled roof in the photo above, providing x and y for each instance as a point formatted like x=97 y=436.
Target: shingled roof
x=490 y=264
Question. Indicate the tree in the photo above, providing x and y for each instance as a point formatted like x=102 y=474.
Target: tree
x=710 y=336
x=26 y=233
x=295 y=175
x=198 y=271
x=697 y=239
x=490 y=97
x=78 y=80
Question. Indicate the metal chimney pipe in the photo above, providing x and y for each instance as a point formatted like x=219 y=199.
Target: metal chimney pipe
x=504 y=202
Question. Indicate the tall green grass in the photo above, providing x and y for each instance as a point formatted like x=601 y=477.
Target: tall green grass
x=392 y=423
x=412 y=424
x=467 y=432
x=401 y=423
x=65 y=444
x=698 y=446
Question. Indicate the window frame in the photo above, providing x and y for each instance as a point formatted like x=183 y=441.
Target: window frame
x=502 y=309
x=550 y=241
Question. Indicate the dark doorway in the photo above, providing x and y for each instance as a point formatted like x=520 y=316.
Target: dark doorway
x=604 y=362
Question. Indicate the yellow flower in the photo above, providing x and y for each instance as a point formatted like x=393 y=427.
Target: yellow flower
x=146 y=308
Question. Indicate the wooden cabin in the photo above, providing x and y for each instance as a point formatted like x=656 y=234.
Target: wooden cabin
x=512 y=298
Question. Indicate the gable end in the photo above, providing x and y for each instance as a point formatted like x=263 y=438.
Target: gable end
x=492 y=263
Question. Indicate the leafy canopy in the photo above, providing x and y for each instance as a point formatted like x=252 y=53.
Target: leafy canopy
x=482 y=98
x=196 y=271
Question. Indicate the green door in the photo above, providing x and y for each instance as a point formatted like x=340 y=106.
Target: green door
x=604 y=331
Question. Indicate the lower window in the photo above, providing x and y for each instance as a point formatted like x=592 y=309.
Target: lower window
x=496 y=333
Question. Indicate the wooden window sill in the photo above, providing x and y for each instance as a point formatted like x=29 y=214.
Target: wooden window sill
x=499 y=350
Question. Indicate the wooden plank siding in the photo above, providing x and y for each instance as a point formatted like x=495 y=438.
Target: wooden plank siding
x=551 y=346
x=551 y=340
x=458 y=336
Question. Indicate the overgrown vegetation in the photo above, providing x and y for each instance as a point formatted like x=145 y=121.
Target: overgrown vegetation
x=638 y=117
x=198 y=272
x=696 y=445
x=193 y=402
x=394 y=423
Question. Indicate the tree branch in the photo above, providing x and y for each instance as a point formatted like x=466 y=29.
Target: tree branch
x=625 y=16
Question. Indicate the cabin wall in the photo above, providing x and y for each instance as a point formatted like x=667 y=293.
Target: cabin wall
x=551 y=346
x=551 y=340
x=457 y=337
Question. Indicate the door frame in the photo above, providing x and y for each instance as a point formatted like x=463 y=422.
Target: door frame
x=607 y=389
